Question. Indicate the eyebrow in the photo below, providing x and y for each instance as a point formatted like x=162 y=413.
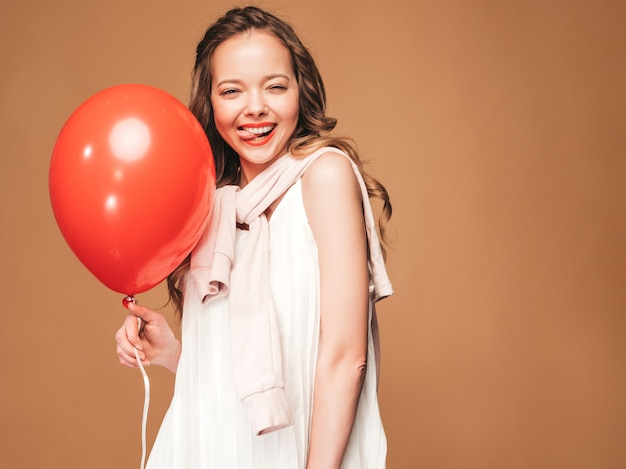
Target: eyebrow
x=266 y=78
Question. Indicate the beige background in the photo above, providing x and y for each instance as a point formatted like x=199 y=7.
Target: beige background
x=499 y=130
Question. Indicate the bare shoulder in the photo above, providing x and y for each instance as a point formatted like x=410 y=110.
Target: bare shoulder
x=332 y=195
x=330 y=172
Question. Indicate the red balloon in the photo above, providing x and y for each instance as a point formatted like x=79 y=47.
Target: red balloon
x=132 y=181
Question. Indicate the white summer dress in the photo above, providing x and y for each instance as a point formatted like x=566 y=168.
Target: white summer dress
x=206 y=426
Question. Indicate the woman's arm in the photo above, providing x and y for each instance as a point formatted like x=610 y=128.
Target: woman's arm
x=156 y=342
x=333 y=202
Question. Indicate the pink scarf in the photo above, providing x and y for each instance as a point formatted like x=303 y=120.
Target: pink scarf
x=256 y=348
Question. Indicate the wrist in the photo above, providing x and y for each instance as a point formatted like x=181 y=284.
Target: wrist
x=173 y=357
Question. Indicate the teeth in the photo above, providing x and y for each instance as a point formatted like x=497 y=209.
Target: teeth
x=259 y=130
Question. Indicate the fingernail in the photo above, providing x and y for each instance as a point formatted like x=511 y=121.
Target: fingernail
x=139 y=346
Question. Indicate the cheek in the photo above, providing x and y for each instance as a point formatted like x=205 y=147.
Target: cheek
x=292 y=111
x=221 y=118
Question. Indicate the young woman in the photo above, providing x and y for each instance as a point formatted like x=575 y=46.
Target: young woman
x=277 y=367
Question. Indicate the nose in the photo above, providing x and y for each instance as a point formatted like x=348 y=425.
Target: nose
x=255 y=104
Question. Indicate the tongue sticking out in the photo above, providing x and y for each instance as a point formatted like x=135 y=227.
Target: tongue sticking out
x=257 y=134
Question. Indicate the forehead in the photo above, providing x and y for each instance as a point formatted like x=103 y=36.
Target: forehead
x=255 y=50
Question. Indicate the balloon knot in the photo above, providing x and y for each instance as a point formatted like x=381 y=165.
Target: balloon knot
x=128 y=299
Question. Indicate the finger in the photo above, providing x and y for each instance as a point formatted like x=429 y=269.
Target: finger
x=131 y=331
x=130 y=359
x=142 y=312
x=122 y=340
x=126 y=360
x=141 y=327
x=128 y=349
x=131 y=363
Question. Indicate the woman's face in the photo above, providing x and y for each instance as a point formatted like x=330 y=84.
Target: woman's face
x=254 y=95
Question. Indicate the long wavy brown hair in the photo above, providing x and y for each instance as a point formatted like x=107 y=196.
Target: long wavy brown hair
x=313 y=128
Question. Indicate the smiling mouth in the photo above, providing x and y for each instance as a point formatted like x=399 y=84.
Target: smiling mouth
x=257 y=134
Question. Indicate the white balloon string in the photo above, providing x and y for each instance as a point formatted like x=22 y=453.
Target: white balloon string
x=146 y=404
